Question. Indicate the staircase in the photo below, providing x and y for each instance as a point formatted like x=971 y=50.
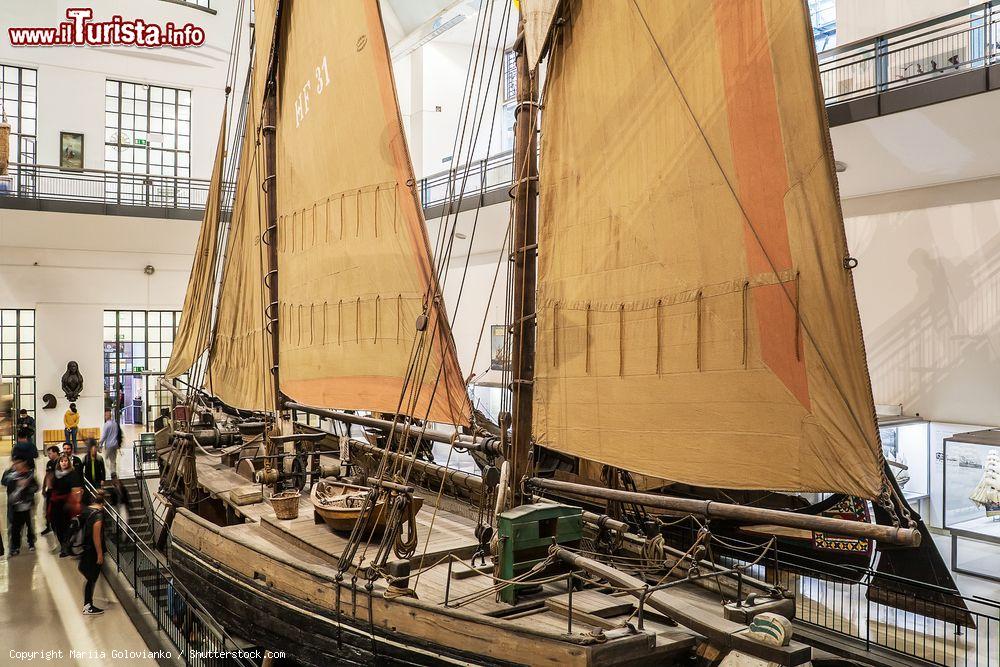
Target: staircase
x=138 y=518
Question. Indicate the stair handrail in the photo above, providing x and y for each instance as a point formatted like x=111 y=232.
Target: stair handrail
x=162 y=567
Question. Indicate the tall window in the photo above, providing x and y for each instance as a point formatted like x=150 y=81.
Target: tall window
x=20 y=106
x=147 y=131
x=17 y=358
x=137 y=347
x=823 y=14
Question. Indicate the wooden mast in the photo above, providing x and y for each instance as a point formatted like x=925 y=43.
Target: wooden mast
x=524 y=255
x=270 y=238
x=271 y=233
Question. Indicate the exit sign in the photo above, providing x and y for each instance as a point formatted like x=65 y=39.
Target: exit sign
x=138 y=369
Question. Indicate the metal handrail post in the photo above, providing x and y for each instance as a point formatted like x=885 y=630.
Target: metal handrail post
x=881 y=64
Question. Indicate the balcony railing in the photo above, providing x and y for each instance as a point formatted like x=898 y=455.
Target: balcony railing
x=955 y=43
x=963 y=40
x=40 y=183
x=481 y=176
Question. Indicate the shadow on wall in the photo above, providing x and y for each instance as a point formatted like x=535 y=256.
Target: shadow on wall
x=932 y=281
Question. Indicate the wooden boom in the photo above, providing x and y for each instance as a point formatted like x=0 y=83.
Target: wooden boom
x=488 y=444
x=906 y=537
x=718 y=630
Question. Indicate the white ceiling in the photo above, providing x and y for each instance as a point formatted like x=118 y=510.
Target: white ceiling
x=412 y=14
x=948 y=142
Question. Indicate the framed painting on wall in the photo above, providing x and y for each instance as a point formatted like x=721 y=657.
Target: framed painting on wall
x=71 y=150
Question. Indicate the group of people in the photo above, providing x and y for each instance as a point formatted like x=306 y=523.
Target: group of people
x=72 y=513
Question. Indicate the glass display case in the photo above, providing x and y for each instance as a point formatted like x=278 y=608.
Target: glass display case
x=906 y=446
x=972 y=502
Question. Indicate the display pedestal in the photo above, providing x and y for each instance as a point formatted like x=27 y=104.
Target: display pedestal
x=974 y=548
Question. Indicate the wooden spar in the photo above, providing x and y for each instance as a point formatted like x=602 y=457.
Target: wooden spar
x=169 y=386
x=525 y=191
x=472 y=483
x=719 y=631
x=488 y=444
x=906 y=537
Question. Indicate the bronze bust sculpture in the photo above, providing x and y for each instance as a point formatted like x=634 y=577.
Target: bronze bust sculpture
x=72 y=381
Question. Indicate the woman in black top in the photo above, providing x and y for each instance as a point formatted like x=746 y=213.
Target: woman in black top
x=66 y=482
x=93 y=465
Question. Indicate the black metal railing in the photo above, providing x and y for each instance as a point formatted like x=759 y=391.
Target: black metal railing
x=48 y=183
x=941 y=46
x=145 y=461
x=147 y=466
x=869 y=606
x=199 y=640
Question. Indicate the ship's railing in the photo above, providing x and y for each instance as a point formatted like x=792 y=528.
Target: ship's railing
x=199 y=640
x=96 y=186
x=963 y=40
x=848 y=601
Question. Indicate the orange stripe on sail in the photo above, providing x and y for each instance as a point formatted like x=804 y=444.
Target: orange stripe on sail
x=761 y=179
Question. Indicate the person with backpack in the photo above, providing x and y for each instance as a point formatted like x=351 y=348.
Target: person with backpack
x=21 y=489
x=91 y=522
x=66 y=487
x=111 y=439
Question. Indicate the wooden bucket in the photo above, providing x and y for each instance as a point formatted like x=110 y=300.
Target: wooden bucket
x=285 y=504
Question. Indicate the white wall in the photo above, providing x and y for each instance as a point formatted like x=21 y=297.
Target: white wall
x=857 y=19
x=71 y=80
x=72 y=267
x=928 y=287
x=483 y=250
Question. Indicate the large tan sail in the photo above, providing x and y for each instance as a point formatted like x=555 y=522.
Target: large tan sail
x=695 y=318
x=240 y=357
x=193 y=332
x=354 y=262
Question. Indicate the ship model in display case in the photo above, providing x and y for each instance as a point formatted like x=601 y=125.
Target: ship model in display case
x=987 y=492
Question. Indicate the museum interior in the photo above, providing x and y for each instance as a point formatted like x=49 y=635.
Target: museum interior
x=301 y=364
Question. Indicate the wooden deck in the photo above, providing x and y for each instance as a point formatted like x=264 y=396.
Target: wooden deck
x=544 y=626
x=451 y=535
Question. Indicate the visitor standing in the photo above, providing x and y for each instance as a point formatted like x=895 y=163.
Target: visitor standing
x=24 y=450
x=73 y=458
x=92 y=559
x=25 y=426
x=71 y=422
x=50 y=469
x=93 y=465
x=67 y=487
x=21 y=489
x=111 y=439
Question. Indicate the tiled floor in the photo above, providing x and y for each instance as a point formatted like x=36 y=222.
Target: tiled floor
x=41 y=599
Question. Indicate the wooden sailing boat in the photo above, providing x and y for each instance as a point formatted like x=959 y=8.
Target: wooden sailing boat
x=693 y=321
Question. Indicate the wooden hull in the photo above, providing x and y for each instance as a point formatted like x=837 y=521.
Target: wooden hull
x=281 y=601
x=308 y=634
